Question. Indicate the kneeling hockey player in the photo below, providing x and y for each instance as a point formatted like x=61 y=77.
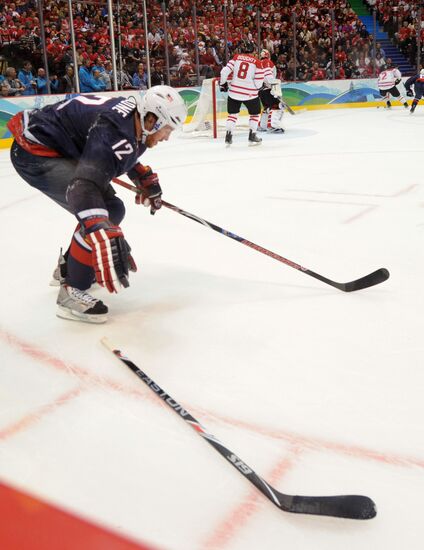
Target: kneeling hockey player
x=71 y=151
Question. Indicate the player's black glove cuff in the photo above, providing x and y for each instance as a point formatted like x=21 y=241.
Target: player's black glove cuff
x=224 y=87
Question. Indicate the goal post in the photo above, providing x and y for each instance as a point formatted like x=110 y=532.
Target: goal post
x=210 y=112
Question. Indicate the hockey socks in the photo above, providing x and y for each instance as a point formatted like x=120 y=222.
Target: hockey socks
x=231 y=122
x=253 y=122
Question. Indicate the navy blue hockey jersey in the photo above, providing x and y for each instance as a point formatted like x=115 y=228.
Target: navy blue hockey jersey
x=97 y=131
x=418 y=82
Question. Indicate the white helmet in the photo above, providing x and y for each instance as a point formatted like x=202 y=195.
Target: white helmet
x=165 y=103
x=422 y=73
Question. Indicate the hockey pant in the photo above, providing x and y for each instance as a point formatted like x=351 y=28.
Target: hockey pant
x=52 y=176
x=394 y=92
x=253 y=107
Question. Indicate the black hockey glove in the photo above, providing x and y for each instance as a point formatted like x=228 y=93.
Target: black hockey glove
x=147 y=183
x=397 y=81
x=410 y=93
x=224 y=87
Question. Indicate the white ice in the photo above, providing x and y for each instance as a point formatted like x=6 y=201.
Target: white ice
x=321 y=392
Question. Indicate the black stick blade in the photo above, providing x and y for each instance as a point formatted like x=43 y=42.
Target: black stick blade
x=372 y=279
x=343 y=506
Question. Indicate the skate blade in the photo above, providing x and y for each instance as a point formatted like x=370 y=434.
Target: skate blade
x=254 y=143
x=72 y=315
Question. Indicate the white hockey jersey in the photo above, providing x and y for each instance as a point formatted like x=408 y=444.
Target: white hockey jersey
x=247 y=76
x=387 y=79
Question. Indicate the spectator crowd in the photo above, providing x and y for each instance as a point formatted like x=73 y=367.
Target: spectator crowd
x=298 y=34
x=399 y=19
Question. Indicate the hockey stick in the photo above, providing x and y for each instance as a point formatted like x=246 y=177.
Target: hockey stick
x=374 y=278
x=287 y=107
x=277 y=93
x=340 y=506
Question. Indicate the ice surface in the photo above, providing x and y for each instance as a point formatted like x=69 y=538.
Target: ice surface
x=321 y=392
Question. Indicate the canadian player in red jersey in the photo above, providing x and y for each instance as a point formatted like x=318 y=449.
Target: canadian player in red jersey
x=270 y=95
x=247 y=79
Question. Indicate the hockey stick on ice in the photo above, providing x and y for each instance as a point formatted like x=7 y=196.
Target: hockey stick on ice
x=287 y=107
x=374 y=278
x=340 y=506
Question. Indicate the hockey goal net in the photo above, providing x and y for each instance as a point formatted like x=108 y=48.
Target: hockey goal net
x=210 y=112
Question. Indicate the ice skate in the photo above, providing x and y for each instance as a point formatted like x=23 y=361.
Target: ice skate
x=412 y=109
x=59 y=273
x=406 y=105
x=388 y=105
x=254 y=139
x=77 y=305
x=228 y=139
x=276 y=130
x=55 y=280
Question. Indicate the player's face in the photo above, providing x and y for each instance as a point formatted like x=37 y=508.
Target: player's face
x=161 y=135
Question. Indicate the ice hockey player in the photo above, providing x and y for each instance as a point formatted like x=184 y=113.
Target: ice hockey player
x=418 y=82
x=70 y=151
x=270 y=96
x=387 y=83
x=247 y=78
